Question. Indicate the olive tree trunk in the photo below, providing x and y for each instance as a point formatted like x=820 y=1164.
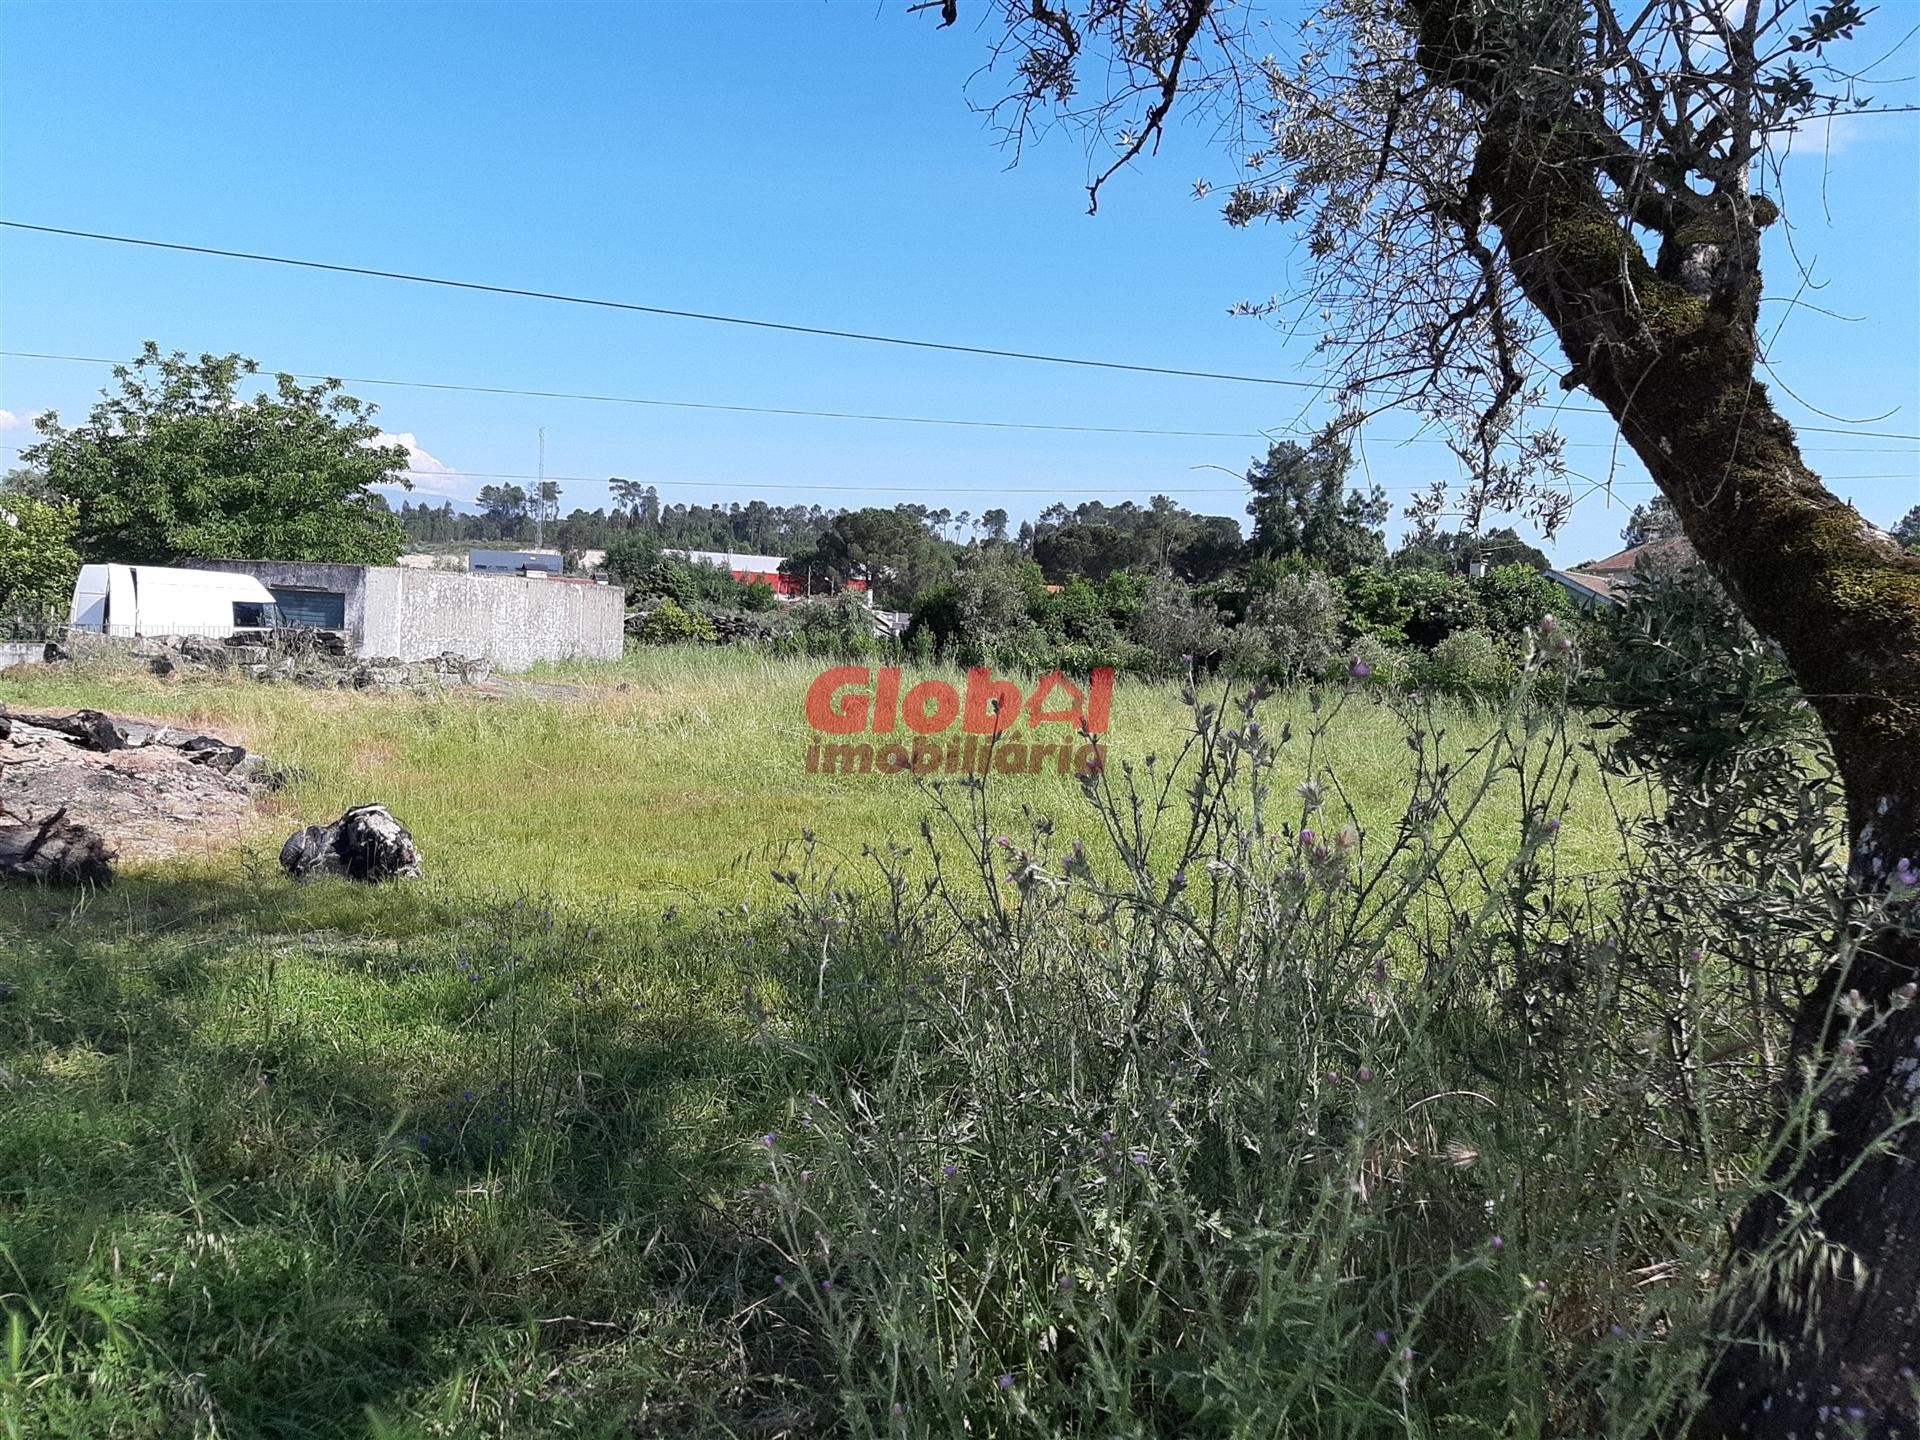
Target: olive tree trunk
x=1666 y=344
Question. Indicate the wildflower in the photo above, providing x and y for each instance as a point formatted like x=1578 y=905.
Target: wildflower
x=1363 y=1074
x=1552 y=826
x=1307 y=838
x=1361 y=670
x=1905 y=872
x=1461 y=1155
x=1310 y=791
x=1333 y=1077
x=1853 y=1005
x=1499 y=1243
x=1406 y=1356
x=770 y=1139
x=1346 y=837
x=1066 y=1282
x=1005 y=1382
x=898 y=1408
x=1548 y=624
x=1139 y=1157
x=949 y=1170
x=1617 y=1330
x=1904 y=996
x=1381 y=1337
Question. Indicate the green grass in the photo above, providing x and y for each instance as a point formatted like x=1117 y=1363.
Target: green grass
x=679 y=770
x=473 y=1155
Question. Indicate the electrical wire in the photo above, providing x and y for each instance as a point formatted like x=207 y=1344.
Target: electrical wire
x=792 y=412
x=661 y=310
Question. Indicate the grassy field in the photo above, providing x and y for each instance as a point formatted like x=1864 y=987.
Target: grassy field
x=676 y=773
x=475 y=1155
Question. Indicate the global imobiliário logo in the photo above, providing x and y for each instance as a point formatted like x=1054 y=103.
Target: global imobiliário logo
x=995 y=724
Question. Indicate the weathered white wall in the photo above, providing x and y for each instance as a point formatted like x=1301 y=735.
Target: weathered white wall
x=23 y=652
x=416 y=614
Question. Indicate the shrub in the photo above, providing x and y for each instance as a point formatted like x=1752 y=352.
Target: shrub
x=38 y=564
x=1418 y=606
x=1467 y=664
x=1297 y=624
x=669 y=623
x=1322 y=1129
x=1177 y=628
x=1513 y=597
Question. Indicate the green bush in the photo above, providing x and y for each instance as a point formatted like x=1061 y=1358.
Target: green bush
x=670 y=623
x=1466 y=664
x=38 y=564
x=1416 y=606
x=1513 y=597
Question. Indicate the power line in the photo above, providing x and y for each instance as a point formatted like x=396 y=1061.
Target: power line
x=732 y=409
x=709 y=405
x=660 y=310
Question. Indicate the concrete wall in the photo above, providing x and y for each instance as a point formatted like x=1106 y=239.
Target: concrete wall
x=21 y=652
x=416 y=614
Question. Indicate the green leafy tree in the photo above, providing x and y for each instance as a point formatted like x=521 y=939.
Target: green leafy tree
x=1457 y=553
x=1512 y=597
x=891 y=549
x=38 y=563
x=1907 y=532
x=1301 y=506
x=174 y=464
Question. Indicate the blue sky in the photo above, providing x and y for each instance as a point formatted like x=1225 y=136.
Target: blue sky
x=813 y=163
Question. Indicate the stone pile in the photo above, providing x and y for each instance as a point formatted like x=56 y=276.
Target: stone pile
x=318 y=659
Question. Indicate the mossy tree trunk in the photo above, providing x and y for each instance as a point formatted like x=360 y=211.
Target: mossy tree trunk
x=1668 y=344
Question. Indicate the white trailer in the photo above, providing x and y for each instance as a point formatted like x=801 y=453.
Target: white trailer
x=138 y=600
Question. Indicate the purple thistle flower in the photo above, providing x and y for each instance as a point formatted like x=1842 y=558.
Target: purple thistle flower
x=770 y=1139
x=1139 y=1157
x=1361 y=670
x=1381 y=1337
x=1498 y=1243
x=949 y=1170
x=1905 y=873
x=1363 y=1074
x=1005 y=1382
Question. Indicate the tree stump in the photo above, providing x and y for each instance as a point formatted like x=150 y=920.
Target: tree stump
x=366 y=843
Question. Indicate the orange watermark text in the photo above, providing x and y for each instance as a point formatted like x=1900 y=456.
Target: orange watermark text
x=945 y=729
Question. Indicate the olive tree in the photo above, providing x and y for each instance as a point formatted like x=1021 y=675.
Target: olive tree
x=1501 y=199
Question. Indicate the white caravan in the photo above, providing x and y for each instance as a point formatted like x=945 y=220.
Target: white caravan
x=131 y=600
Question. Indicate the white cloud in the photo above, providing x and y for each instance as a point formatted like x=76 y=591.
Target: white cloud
x=430 y=474
x=16 y=420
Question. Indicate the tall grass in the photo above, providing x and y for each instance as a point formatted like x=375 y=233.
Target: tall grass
x=1329 y=1065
